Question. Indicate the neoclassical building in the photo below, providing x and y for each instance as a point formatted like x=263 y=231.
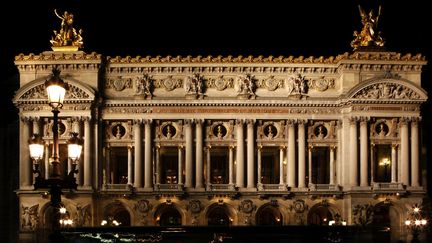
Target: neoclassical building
x=228 y=140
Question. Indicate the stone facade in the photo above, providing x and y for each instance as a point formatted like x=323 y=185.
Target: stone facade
x=229 y=140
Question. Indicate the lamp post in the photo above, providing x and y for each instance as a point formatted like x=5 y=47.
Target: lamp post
x=56 y=89
x=416 y=222
x=385 y=162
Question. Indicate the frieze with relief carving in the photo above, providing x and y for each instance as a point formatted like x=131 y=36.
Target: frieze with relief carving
x=169 y=83
x=270 y=83
x=387 y=91
x=117 y=131
x=39 y=92
x=143 y=85
x=83 y=215
x=381 y=128
x=322 y=131
x=118 y=83
x=363 y=214
x=143 y=207
x=219 y=130
x=220 y=83
x=245 y=86
x=29 y=217
x=271 y=130
x=169 y=130
x=321 y=84
x=297 y=86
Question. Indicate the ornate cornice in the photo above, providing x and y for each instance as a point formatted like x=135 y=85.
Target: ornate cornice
x=381 y=56
x=59 y=56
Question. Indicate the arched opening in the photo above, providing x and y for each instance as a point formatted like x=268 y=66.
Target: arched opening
x=119 y=213
x=218 y=215
x=168 y=215
x=269 y=215
x=381 y=216
x=319 y=215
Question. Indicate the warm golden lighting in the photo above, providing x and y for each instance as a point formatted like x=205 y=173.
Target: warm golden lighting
x=56 y=89
x=416 y=210
x=36 y=147
x=384 y=162
x=62 y=210
x=74 y=147
x=407 y=222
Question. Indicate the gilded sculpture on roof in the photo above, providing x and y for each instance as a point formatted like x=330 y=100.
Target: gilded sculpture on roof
x=67 y=38
x=368 y=36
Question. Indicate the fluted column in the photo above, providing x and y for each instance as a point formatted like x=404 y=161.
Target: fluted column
x=231 y=165
x=130 y=165
x=240 y=155
x=46 y=155
x=414 y=153
x=158 y=165
x=107 y=178
x=363 y=153
x=199 y=155
x=138 y=154
x=281 y=157
x=250 y=154
x=404 y=151
x=301 y=155
x=25 y=169
x=332 y=165
x=393 y=163
x=353 y=152
x=291 y=155
x=189 y=153
x=148 y=167
x=87 y=153
x=208 y=164
x=180 y=165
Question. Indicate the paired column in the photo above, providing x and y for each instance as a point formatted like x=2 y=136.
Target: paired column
x=363 y=153
x=414 y=153
x=353 y=152
x=189 y=153
x=259 y=162
x=393 y=163
x=87 y=153
x=231 y=165
x=138 y=154
x=332 y=165
x=404 y=151
x=130 y=165
x=158 y=165
x=250 y=154
x=291 y=155
x=148 y=168
x=281 y=157
x=25 y=169
x=310 y=164
x=199 y=155
x=240 y=154
x=208 y=160
x=301 y=155
x=180 y=165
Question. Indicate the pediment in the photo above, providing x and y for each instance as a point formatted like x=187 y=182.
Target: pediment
x=387 y=89
x=34 y=92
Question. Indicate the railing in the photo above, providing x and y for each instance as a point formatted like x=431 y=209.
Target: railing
x=272 y=187
x=220 y=187
x=117 y=187
x=386 y=186
x=323 y=187
x=169 y=187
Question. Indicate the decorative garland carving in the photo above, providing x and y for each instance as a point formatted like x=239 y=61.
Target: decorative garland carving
x=271 y=83
x=39 y=92
x=322 y=84
x=195 y=206
x=247 y=206
x=220 y=83
x=169 y=83
x=143 y=207
x=118 y=83
x=387 y=91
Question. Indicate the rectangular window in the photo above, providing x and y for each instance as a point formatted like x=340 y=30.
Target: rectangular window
x=219 y=168
x=119 y=165
x=321 y=165
x=169 y=165
x=382 y=163
x=270 y=165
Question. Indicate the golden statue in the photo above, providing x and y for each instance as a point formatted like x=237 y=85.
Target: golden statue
x=368 y=37
x=67 y=39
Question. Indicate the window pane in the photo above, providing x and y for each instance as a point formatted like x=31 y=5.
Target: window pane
x=382 y=163
x=119 y=165
x=219 y=166
x=270 y=165
x=169 y=163
x=321 y=165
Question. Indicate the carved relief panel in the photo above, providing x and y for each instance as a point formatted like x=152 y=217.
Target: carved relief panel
x=169 y=131
x=118 y=131
x=64 y=128
x=382 y=129
x=271 y=132
x=322 y=132
x=219 y=132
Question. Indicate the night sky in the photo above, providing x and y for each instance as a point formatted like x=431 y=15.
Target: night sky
x=272 y=27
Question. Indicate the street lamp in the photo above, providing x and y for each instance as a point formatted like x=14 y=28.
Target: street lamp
x=56 y=89
x=416 y=222
x=385 y=162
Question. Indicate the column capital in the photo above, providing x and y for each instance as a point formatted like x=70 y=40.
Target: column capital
x=415 y=121
x=353 y=120
x=250 y=122
x=137 y=121
x=26 y=119
x=291 y=122
x=394 y=145
x=239 y=122
x=147 y=121
x=333 y=147
x=310 y=147
x=302 y=121
x=404 y=120
x=281 y=147
x=188 y=122
x=130 y=147
x=199 y=122
x=363 y=119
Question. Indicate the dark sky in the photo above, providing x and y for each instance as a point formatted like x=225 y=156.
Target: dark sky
x=270 y=27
